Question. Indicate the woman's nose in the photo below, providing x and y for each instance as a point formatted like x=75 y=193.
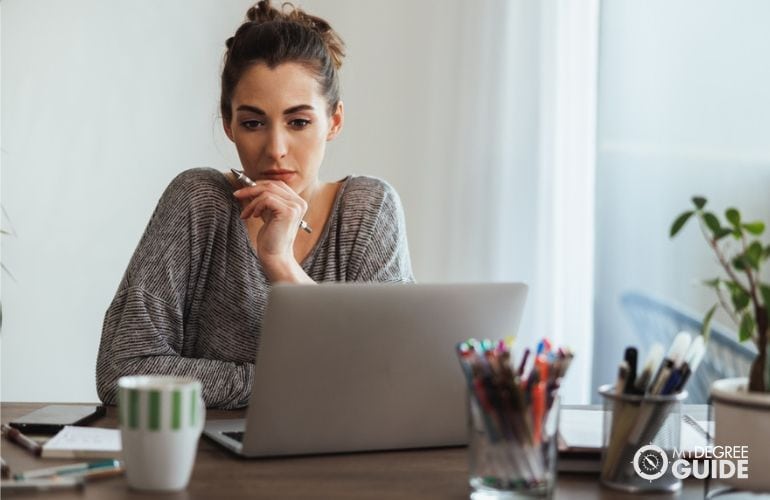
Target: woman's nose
x=277 y=144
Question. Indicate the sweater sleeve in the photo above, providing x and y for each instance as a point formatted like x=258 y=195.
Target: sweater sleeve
x=144 y=328
x=383 y=254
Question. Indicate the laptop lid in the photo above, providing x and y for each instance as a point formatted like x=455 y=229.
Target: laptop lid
x=353 y=367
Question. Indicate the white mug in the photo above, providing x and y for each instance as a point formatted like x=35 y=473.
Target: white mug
x=161 y=419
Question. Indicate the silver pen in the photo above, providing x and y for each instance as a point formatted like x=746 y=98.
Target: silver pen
x=241 y=177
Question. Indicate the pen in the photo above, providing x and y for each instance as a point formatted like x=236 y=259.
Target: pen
x=693 y=359
x=241 y=177
x=673 y=359
x=17 y=437
x=622 y=377
x=102 y=473
x=630 y=356
x=35 y=485
x=523 y=362
x=6 y=471
x=73 y=469
x=653 y=359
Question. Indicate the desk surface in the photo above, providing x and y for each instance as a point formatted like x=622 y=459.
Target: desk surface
x=419 y=474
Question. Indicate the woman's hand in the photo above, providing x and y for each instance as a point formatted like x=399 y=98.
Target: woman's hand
x=281 y=210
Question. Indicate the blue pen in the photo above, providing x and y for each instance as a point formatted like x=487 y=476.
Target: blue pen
x=672 y=382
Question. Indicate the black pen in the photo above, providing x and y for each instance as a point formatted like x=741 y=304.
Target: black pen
x=630 y=357
x=241 y=177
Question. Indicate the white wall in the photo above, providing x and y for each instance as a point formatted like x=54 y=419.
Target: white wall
x=103 y=103
x=684 y=109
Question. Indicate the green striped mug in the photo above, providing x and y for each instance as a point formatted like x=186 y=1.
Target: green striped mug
x=161 y=419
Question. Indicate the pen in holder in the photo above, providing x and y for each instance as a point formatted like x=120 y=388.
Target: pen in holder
x=640 y=434
x=513 y=418
x=509 y=461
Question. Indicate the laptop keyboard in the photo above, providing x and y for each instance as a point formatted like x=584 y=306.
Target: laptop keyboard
x=238 y=436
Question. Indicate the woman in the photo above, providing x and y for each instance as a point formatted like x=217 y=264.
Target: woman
x=192 y=299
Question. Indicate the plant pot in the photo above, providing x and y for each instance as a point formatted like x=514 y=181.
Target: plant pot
x=743 y=418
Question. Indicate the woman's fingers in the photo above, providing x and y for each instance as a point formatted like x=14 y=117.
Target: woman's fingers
x=272 y=186
x=276 y=206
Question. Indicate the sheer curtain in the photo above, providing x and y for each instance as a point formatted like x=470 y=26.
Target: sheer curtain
x=520 y=189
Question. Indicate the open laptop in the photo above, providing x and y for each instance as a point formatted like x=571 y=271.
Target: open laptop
x=356 y=367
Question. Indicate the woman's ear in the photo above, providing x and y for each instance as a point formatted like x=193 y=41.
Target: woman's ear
x=336 y=121
x=228 y=129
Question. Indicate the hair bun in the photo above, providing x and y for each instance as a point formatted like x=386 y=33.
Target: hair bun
x=262 y=12
x=334 y=44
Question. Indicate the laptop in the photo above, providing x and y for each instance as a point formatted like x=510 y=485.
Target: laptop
x=348 y=367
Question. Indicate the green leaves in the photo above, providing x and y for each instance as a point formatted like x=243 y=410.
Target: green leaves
x=755 y=228
x=712 y=222
x=747 y=327
x=679 y=223
x=753 y=254
x=706 y=327
x=742 y=262
x=751 y=258
x=740 y=299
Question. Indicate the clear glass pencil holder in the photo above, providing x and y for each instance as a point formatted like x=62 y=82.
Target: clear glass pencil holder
x=640 y=439
x=506 y=461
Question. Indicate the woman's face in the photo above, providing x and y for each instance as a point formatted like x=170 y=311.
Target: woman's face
x=280 y=124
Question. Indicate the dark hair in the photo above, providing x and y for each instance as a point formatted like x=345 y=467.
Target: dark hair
x=273 y=36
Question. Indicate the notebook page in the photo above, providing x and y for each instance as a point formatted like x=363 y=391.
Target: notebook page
x=72 y=438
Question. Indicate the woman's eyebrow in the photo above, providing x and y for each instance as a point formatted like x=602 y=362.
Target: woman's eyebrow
x=293 y=109
x=301 y=107
x=253 y=109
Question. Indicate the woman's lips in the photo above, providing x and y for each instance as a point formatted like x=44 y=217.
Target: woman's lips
x=278 y=175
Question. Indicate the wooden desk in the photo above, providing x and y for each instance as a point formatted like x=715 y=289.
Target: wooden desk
x=418 y=474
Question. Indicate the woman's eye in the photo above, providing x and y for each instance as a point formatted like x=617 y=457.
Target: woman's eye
x=252 y=124
x=299 y=123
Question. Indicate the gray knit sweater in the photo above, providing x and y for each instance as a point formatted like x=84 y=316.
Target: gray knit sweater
x=192 y=299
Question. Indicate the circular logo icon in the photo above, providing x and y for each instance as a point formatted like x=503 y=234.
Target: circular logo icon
x=650 y=462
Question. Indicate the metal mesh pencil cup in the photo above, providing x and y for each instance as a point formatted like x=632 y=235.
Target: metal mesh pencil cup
x=639 y=436
x=504 y=459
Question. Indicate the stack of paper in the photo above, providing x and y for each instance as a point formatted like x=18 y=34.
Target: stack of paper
x=83 y=442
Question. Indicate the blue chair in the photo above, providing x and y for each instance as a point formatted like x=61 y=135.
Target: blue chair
x=655 y=320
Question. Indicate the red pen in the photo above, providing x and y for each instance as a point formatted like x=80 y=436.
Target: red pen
x=17 y=437
x=538 y=409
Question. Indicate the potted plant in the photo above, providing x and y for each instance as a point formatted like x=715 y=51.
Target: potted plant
x=741 y=405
